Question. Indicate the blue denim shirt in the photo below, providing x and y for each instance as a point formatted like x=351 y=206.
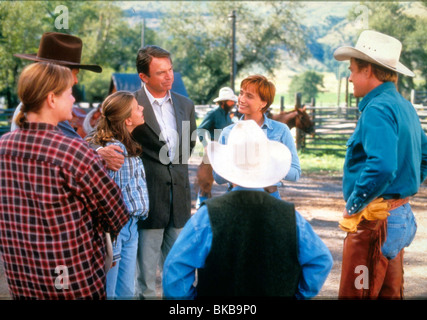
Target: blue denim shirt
x=275 y=131
x=194 y=243
x=387 y=153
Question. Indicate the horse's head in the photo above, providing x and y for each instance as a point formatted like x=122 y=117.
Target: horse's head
x=303 y=121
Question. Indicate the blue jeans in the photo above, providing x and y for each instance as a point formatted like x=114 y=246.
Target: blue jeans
x=401 y=229
x=121 y=277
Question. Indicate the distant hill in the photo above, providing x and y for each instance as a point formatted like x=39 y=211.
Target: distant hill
x=318 y=17
x=326 y=22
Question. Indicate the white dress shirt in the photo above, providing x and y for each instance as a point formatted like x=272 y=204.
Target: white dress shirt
x=165 y=115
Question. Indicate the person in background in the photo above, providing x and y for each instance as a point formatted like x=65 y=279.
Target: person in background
x=385 y=164
x=214 y=121
x=247 y=242
x=57 y=198
x=166 y=147
x=66 y=50
x=120 y=114
x=255 y=97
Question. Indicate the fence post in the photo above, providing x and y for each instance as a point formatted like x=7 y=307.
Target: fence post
x=282 y=103
x=299 y=133
x=412 y=96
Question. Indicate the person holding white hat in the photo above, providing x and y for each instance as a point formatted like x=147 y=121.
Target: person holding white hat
x=247 y=242
x=385 y=164
x=214 y=121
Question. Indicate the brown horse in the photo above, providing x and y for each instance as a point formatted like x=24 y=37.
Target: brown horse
x=296 y=118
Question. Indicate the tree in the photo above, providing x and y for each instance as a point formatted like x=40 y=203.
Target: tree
x=17 y=36
x=200 y=42
x=391 y=18
x=308 y=84
x=108 y=40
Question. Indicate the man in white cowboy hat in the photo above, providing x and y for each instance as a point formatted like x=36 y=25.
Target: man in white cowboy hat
x=247 y=242
x=385 y=164
x=211 y=126
x=65 y=49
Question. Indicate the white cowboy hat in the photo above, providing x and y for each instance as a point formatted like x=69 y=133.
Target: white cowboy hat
x=225 y=94
x=377 y=48
x=249 y=159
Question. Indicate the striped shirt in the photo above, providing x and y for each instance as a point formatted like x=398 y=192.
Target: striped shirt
x=57 y=201
x=131 y=179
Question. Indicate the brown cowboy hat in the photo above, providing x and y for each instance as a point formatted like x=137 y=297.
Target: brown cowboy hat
x=60 y=48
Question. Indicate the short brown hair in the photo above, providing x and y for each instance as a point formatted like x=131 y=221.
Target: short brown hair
x=265 y=88
x=36 y=81
x=381 y=73
x=146 y=54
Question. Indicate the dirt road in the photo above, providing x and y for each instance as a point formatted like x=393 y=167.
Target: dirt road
x=319 y=200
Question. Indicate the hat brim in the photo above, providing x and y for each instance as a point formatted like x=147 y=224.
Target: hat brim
x=275 y=169
x=225 y=99
x=33 y=57
x=346 y=53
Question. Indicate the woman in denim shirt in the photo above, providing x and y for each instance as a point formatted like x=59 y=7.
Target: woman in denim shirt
x=120 y=115
x=255 y=97
x=386 y=158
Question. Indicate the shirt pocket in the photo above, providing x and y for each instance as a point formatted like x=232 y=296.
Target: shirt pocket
x=355 y=152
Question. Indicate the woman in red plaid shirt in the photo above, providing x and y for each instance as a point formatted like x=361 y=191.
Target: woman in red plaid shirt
x=57 y=198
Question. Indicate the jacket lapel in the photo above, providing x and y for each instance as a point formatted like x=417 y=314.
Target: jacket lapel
x=179 y=115
x=149 y=116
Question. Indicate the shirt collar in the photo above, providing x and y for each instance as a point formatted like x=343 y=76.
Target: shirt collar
x=375 y=92
x=152 y=99
x=39 y=126
x=267 y=122
x=239 y=188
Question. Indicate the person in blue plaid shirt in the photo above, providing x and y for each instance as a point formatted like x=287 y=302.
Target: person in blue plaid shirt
x=120 y=115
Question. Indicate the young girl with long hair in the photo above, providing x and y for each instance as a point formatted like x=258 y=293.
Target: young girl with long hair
x=120 y=114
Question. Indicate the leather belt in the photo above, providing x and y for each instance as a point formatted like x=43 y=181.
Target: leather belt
x=395 y=203
x=271 y=189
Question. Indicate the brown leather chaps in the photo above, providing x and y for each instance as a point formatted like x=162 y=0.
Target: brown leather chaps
x=366 y=273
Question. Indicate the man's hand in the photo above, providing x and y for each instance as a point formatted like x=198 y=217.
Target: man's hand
x=113 y=156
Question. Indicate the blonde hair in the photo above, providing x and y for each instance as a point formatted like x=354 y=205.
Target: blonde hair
x=115 y=109
x=265 y=88
x=36 y=81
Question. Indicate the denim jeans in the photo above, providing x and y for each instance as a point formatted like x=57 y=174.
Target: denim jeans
x=121 y=277
x=401 y=229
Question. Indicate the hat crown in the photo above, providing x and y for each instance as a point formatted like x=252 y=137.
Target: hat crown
x=250 y=159
x=380 y=47
x=60 y=46
x=226 y=93
x=249 y=145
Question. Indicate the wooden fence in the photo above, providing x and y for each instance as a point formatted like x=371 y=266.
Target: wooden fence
x=5 y=120
x=335 y=125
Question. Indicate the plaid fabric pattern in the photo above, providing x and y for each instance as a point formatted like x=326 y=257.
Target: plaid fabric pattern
x=131 y=180
x=57 y=201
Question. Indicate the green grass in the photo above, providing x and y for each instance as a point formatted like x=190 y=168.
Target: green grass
x=322 y=162
x=323 y=99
